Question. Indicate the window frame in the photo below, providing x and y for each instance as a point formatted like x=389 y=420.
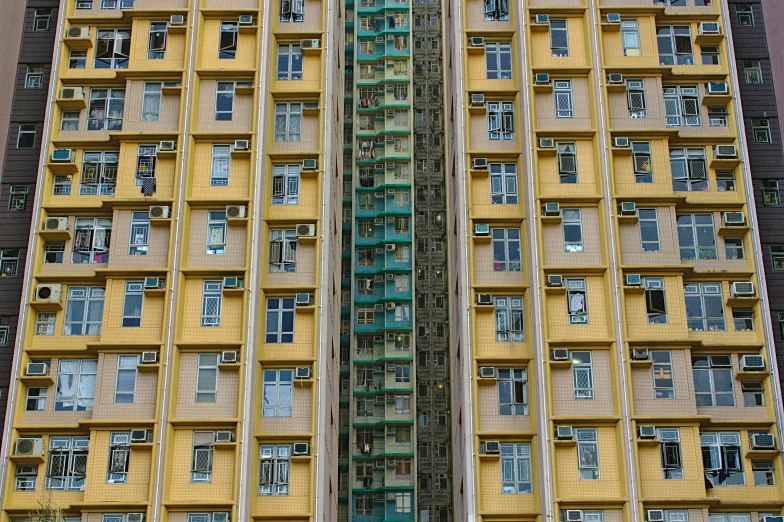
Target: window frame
x=582 y=375
x=516 y=468
x=212 y=297
x=134 y=292
x=588 y=462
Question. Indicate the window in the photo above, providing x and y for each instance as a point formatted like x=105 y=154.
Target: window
x=69 y=120
x=402 y=467
x=500 y=120
x=36 y=399
x=274 y=470
x=211 y=303
x=743 y=318
x=125 y=387
x=34 y=78
x=498 y=57
x=9 y=261
x=277 y=393
x=363 y=504
x=45 y=323
x=224 y=101
x=704 y=307
x=674 y=45
x=710 y=54
x=151 y=102
x=722 y=459
x=403 y=502
x=506 y=249
x=763 y=472
x=402 y=372
x=92 y=237
x=132 y=305
x=689 y=170
x=99 y=173
x=572 y=229
x=512 y=393
x=61 y=185
x=753 y=394
x=496 y=10
x=562 y=90
x=156 y=42
x=402 y=404
x=649 y=229
x=577 y=301
x=630 y=37
x=516 y=468
x=777 y=257
x=725 y=181
x=670 y=449
x=289 y=61
x=288 y=121
x=41 y=19
x=682 y=105
x=761 y=129
x=663 y=383
x=771 y=197
x=717 y=116
x=66 y=469
x=733 y=248
x=207 y=377
x=292 y=11
x=209 y=517
x=402 y=312
x=280 y=320
x=119 y=457
x=227 y=47
x=17 y=198
x=283 y=250
x=77 y=59
x=697 y=237
x=106 y=109
x=216 y=231
x=26 y=476
x=655 y=300
x=567 y=162
x=84 y=310
x=365 y=315
x=587 y=453
x=635 y=99
x=75 y=389
x=745 y=15
x=201 y=460
x=509 y=319
x=140 y=233
x=285 y=184
x=713 y=380
x=221 y=165
x=26 y=137
x=752 y=71
x=582 y=374
x=112 y=48
x=559 y=38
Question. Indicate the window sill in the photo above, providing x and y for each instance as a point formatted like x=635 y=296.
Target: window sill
x=148 y=367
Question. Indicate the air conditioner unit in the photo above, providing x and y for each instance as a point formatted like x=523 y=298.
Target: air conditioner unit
x=306 y=230
x=613 y=18
x=772 y=518
x=481 y=229
x=542 y=79
x=541 y=19
x=231 y=282
x=301 y=448
x=56 y=224
x=138 y=436
x=546 y=143
x=172 y=85
x=628 y=208
x=487 y=372
x=559 y=354
x=159 y=212
x=390 y=277
x=310 y=164
x=390 y=336
x=762 y=441
x=615 y=78
x=246 y=20
x=29 y=447
x=390 y=367
x=36 y=369
x=752 y=363
x=78 y=32
x=492 y=447
x=730 y=219
x=564 y=433
x=552 y=209
x=224 y=436
x=230 y=357
x=390 y=192
x=554 y=281
x=63 y=156
x=726 y=151
x=222 y=516
x=167 y=146
x=149 y=358
x=574 y=515
x=135 y=517
x=621 y=143
x=380 y=195
x=479 y=164
x=391 y=305
x=235 y=211
x=71 y=93
x=47 y=293
x=654 y=515
x=241 y=144
x=177 y=20
x=742 y=289
x=717 y=88
x=641 y=354
x=646 y=432
x=633 y=280
x=152 y=283
x=302 y=372
x=484 y=299
x=304 y=299
x=310 y=44
x=477 y=100
x=709 y=28
x=390 y=247
x=477 y=41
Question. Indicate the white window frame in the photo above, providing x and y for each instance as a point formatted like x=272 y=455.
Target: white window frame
x=212 y=298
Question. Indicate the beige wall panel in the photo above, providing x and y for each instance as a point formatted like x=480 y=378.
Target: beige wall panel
x=564 y=403
x=485 y=275
x=645 y=402
x=242 y=115
x=631 y=246
x=545 y=108
x=312 y=21
x=475 y=17
x=480 y=140
x=554 y=242
x=739 y=411
x=226 y=399
x=157 y=249
x=132 y=122
x=143 y=406
x=305 y=274
x=654 y=96
x=232 y=4
x=490 y=420
x=309 y=138
x=197 y=251
x=49 y=416
x=299 y=422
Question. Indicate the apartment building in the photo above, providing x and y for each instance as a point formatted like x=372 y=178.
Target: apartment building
x=177 y=349
x=29 y=37
x=612 y=346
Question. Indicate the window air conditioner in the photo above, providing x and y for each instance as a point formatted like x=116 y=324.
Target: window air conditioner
x=621 y=143
x=552 y=209
x=481 y=229
x=138 y=436
x=762 y=441
x=730 y=219
x=29 y=446
x=752 y=363
x=646 y=432
x=640 y=354
x=224 y=436
x=564 y=433
x=37 y=369
x=477 y=100
x=487 y=372
x=709 y=28
x=302 y=372
x=492 y=447
x=479 y=164
x=633 y=280
x=167 y=145
x=477 y=41
x=542 y=79
x=554 y=281
x=71 y=93
x=615 y=78
x=613 y=18
x=654 y=515
x=559 y=354
x=230 y=357
x=717 y=88
x=63 y=156
x=241 y=144
x=177 y=20
x=628 y=208
x=726 y=151
x=742 y=289
x=149 y=357
x=484 y=299
x=301 y=448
